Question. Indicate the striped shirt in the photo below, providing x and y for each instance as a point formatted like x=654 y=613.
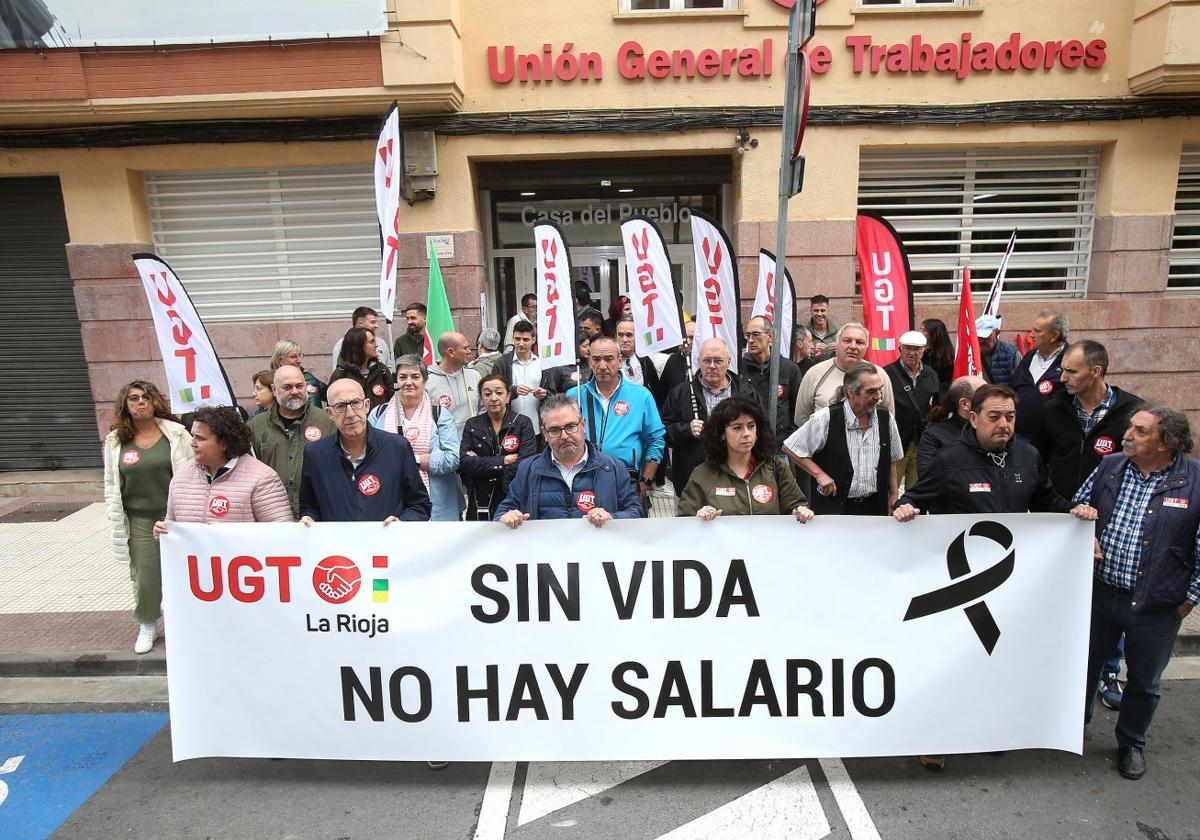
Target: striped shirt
x=863 y=445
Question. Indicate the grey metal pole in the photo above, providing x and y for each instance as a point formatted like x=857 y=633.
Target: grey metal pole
x=786 y=138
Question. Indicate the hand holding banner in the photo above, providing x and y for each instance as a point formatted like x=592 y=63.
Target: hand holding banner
x=657 y=324
x=556 y=308
x=194 y=373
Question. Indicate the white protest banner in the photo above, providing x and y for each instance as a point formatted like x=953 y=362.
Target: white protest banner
x=388 y=179
x=772 y=298
x=657 y=322
x=194 y=373
x=556 y=307
x=717 y=314
x=673 y=639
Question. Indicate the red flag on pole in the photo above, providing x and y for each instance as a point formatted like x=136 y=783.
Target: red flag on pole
x=966 y=359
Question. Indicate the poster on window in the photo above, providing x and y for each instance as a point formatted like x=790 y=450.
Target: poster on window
x=43 y=24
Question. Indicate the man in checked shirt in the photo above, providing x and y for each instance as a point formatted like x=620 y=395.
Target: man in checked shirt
x=1147 y=564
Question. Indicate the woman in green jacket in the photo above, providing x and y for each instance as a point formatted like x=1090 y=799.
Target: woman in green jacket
x=740 y=475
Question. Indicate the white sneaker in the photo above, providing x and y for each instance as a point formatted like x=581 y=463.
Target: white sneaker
x=147 y=633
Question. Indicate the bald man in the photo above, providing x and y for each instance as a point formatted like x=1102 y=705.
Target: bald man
x=453 y=385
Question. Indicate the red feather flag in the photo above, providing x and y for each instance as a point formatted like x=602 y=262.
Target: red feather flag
x=966 y=359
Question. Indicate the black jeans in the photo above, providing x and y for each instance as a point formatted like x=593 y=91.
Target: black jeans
x=1149 y=638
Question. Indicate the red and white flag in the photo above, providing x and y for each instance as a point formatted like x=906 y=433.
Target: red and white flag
x=389 y=177
x=966 y=357
x=194 y=373
x=556 y=309
x=774 y=299
x=716 y=289
x=887 y=293
x=657 y=323
x=992 y=307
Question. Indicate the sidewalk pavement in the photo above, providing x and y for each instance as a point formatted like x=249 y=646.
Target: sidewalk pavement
x=66 y=605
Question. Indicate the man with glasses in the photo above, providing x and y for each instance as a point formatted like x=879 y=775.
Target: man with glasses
x=359 y=474
x=688 y=405
x=281 y=433
x=570 y=479
x=756 y=370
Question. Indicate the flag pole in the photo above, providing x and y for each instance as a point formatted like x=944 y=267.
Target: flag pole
x=802 y=15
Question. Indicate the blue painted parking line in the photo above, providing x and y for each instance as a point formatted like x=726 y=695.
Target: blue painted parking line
x=51 y=764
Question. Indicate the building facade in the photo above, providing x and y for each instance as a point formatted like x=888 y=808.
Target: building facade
x=247 y=166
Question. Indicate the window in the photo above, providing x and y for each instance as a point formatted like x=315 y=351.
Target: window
x=675 y=5
x=269 y=244
x=956 y=207
x=914 y=3
x=1184 y=274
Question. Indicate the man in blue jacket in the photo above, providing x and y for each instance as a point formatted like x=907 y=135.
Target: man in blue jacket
x=359 y=474
x=571 y=479
x=1147 y=564
x=622 y=417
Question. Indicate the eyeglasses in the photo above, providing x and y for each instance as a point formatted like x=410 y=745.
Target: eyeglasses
x=357 y=405
x=712 y=362
x=137 y=398
x=555 y=432
x=756 y=334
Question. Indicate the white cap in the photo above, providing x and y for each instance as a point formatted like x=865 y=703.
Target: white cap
x=912 y=338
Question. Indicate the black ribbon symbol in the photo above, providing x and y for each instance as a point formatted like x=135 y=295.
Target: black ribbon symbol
x=971 y=588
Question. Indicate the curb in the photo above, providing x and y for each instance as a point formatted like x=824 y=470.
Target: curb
x=109 y=664
x=1187 y=644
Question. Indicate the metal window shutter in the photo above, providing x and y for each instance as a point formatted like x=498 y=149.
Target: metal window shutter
x=1184 y=274
x=956 y=207
x=269 y=244
x=45 y=396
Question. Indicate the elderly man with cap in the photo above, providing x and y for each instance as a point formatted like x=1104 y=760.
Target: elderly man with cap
x=916 y=389
x=999 y=357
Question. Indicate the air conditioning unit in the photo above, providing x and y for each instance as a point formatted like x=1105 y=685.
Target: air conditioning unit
x=420 y=166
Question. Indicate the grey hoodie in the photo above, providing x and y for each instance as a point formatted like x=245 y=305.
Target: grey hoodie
x=457 y=392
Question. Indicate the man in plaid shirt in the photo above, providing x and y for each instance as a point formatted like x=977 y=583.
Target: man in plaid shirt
x=1147 y=564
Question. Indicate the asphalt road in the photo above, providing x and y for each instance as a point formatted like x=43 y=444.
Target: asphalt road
x=106 y=772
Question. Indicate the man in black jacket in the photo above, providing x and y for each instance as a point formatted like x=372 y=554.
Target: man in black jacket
x=916 y=388
x=946 y=421
x=988 y=470
x=755 y=369
x=1085 y=421
x=1038 y=376
x=688 y=405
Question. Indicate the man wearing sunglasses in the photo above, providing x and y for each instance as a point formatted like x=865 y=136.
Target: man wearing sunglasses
x=359 y=474
x=570 y=479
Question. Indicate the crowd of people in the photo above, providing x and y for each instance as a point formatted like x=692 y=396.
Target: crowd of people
x=505 y=438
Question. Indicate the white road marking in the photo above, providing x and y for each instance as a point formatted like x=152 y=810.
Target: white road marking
x=551 y=785
x=493 y=813
x=854 y=810
x=787 y=808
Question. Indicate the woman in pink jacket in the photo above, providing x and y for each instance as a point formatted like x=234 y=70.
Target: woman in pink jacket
x=225 y=483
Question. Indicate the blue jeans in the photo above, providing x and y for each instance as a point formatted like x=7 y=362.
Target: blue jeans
x=1149 y=639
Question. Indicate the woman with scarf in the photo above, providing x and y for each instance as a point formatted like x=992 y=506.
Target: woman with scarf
x=493 y=443
x=431 y=432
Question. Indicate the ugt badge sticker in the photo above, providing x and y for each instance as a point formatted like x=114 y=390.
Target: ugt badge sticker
x=585 y=501
x=369 y=485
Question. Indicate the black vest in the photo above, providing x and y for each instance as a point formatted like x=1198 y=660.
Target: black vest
x=834 y=458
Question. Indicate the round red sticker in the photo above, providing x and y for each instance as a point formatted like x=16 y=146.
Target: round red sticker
x=312 y=389
x=1104 y=446
x=130 y=458
x=1045 y=387
x=368 y=485
x=621 y=408
x=511 y=442
x=779 y=391
x=444 y=401
x=218 y=506
x=377 y=389
x=336 y=579
x=585 y=501
x=411 y=433
x=312 y=434
x=762 y=493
